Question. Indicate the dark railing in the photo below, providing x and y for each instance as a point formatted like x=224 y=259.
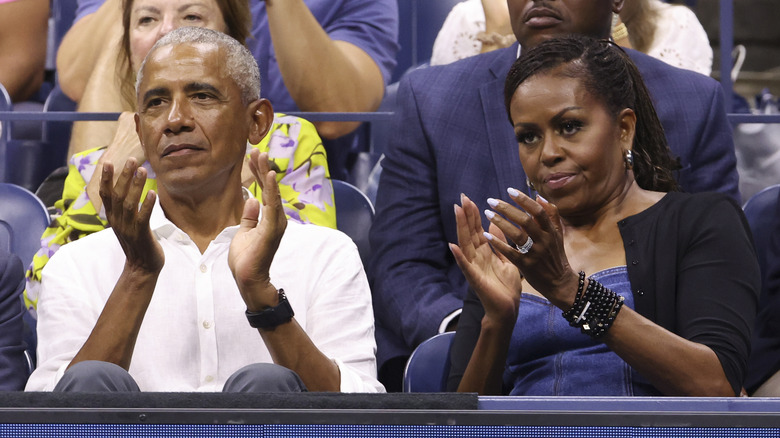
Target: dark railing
x=68 y=116
x=65 y=116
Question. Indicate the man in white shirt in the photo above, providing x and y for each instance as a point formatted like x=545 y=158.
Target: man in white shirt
x=156 y=303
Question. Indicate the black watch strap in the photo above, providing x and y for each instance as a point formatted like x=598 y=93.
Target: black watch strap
x=272 y=316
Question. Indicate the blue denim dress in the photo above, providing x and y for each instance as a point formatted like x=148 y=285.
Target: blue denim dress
x=549 y=357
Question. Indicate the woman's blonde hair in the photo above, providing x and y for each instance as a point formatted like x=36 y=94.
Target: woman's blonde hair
x=640 y=17
x=237 y=21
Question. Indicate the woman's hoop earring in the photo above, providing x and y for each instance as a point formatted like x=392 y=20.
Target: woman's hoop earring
x=629 y=159
x=529 y=184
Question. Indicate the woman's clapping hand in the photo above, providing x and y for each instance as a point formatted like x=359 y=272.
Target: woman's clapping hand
x=495 y=279
x=544 y=262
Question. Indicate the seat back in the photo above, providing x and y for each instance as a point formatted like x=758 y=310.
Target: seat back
x=5 y=105
x=23 y=217
x=5 y=128
x=430 y=17
x=354 y=215
x=382 y=130
x=428 y=367
x=372 y=185
x=760 y=210
x=419 y=24
x=57 y=134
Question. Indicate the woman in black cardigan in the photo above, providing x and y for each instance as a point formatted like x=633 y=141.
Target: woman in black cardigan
x=670 y=295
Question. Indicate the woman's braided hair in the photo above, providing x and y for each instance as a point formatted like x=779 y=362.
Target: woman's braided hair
x=610 y=76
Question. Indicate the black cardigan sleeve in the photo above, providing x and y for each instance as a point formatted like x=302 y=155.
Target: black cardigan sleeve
x=718 y=281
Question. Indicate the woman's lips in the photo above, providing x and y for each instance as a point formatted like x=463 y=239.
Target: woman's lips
x=557 y=181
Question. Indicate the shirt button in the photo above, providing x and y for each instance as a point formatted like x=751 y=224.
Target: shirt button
x=631 y=242
x=209 y=378
x=640 y=292
x=635 y=262
x=206 y=324
x=203 y=268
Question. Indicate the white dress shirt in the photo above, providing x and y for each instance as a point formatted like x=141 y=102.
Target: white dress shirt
x=194 y=334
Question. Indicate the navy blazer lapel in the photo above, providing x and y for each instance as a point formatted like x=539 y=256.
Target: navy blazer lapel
x=508 y=171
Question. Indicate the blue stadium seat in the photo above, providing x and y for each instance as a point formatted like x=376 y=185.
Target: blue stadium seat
x=57 y=134
x=431 y=15
x=760 y=212
x=428 y=367
x=5 y=134
x=419 y=23
x=23 y=217
x=29 y=161
x=354 y=215
x=381 y=130
x=372 y=184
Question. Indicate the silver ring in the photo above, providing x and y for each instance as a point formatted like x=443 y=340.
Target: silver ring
x=526 y=246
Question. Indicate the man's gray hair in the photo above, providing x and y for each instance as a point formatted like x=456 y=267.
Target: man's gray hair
x=241 y=65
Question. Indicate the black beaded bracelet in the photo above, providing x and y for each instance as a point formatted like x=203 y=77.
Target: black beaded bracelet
x=577 y=306
x=595 y=308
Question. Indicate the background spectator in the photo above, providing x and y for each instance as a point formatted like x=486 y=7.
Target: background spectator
x=472 y=27
x=671 y=33
x=317 y=55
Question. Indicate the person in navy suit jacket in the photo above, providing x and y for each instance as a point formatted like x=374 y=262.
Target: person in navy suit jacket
x=452 y=137
x=13 y=366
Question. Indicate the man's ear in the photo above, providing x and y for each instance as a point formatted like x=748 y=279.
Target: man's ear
x=261 y=114
x=627 y=124
x=137 y=119
x=617 y=5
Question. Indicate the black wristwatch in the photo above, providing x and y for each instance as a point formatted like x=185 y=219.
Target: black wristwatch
x=272 y=316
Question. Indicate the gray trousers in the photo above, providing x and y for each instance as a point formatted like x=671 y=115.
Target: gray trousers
x=97 y=376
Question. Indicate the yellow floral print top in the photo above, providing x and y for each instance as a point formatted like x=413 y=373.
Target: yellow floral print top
x=296 y=154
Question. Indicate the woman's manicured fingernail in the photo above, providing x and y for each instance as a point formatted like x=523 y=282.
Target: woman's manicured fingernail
x=489 y=214
x=542 y=198
x=487 y=235
x=513 y=192
x=492 y=202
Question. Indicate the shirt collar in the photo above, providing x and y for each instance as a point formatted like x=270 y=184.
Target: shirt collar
x=164 y=228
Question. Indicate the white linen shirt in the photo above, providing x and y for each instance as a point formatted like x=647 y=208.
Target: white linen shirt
x=194 y=335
